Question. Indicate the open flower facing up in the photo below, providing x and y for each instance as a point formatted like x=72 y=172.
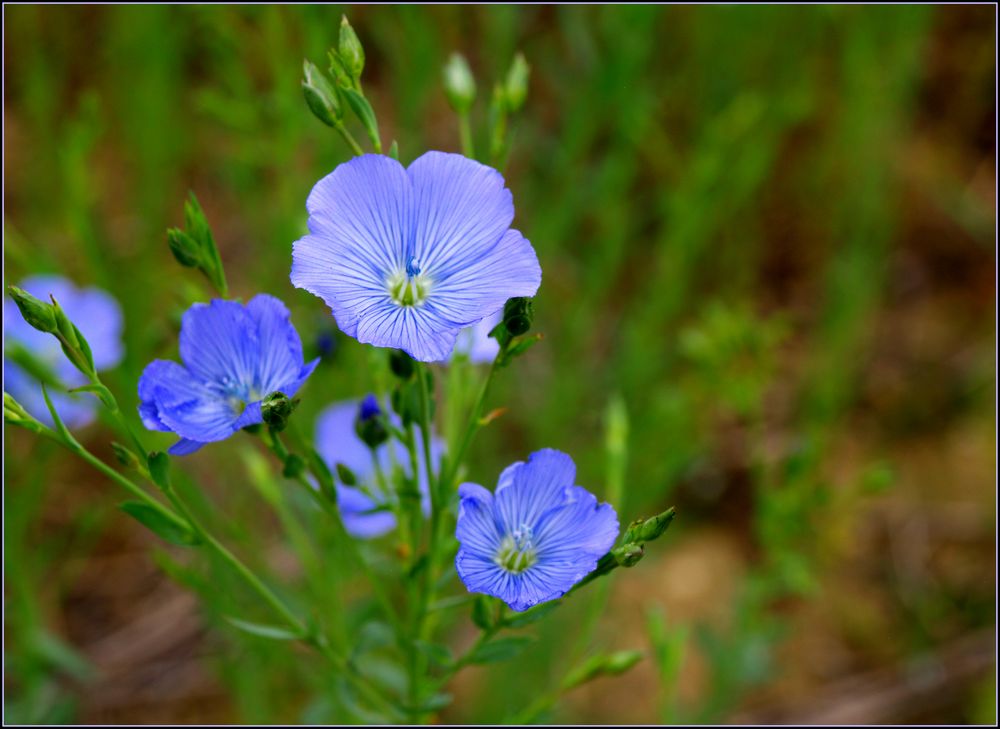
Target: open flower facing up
x=407 y=257
x=98 y=317
x=536 y=537
x=234 y=356
x=366 y=509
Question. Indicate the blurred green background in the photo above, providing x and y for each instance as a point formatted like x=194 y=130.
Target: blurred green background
x=767 y=237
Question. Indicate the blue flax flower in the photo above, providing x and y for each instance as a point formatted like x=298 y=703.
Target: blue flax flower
x=476 y=343
x=536 y=537
x=367 y=509
x=98 y=317
x=234 y=356
x=407 y=257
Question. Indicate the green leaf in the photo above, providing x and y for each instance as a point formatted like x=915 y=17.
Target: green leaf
x=159 y=465
x=431 y=704
x=482 y=612
x=501 y=649
x=160 y=524
x=437 y=654
x=273 y=632
x=519 y=620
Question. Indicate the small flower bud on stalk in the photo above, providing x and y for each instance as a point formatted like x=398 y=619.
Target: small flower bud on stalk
x=628 y=555
x=125 y=456
x=401 y=364
x=369 y=423
x=321 y=96
x=37 y=313
x=294 y=466
x=459 y=84
x=516 y=84
x=346 y=475
x=15 y=414
x=518 y=314
x=74 y=344
x=350 y=50
x=185 y=248
x=276 y=409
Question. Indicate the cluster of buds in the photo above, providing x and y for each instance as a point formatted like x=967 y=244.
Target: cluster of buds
x=194 y=247
x=51 y=319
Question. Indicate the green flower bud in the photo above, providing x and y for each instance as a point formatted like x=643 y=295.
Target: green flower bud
x=37 y=313
x=628 y=555
x=276 y=409
x=185 y=248
x=351 y=53
x=124 y=455
x=15 y=414
x=321 y=96
x=618 y=663
x=74 y=344
x=516 y=84
x=346 y=475
x=459 y=84
x=401 y=364
x=655 y=526
x=518 y=314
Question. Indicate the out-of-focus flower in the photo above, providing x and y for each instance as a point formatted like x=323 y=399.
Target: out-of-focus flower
x=536 y=537
x=98 y=317
x=476 y=343
x=234 y=356
x=408 y=257
x=366 y=508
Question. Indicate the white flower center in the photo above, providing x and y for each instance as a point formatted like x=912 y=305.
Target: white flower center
x=517 y=551
x=408 y=286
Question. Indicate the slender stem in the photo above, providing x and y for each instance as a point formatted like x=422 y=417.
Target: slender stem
x=351 y=141
x=465 y=134
x=453 y=464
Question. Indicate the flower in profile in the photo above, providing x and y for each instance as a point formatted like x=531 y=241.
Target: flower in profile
x=98 y=317
x=408 y=257
x=476 y=343
x=536 y=537
x=367 y=509
x=234 y=356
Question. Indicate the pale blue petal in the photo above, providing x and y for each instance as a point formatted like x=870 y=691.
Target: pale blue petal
x=218 y=343
x=476 y=343
x=279 y=349
x=482 y=286
x=185 y=447
x=419 y=331
x=477 y=529
x=461 y=210
x=536 y=487
x=582 y=529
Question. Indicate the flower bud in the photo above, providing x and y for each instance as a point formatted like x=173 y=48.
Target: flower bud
x=628 y=555
x=655 y=526
x=124 y=455
x=74 y=344
x=401 y=364
x=351 y=53
x=321 y=96
x=276 y=408
x=15 y=414
x=346 y=475
x=369 y=423
x=516 y=84
x=37 y=313
x=185 y=248
x=518 y=314
x=459 y=84
x=618 y=663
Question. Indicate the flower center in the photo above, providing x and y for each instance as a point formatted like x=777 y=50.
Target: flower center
x=237 y=395
x=409 y=287
x=517 y=551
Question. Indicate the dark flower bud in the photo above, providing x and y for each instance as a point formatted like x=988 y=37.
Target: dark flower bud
x=459 y=84
x=401 y=364
x=37 y=313
x=369 y=423
x=352 y=54
x=628 y=555
x=346 y=475
x=276 y=408
x=326 y=344
x=518 y=314
x=124 y=455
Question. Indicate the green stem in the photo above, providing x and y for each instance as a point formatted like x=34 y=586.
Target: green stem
x=465 y=134
x=351 y=141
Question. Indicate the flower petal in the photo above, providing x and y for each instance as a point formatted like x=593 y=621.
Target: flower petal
x=219 y=343
x=360 y=231
x=482 y=286
x=183 y=404
x=476 y=528
x=420 y=331
x=279 y=355
x=461 y=209
x=534 y=488
x=581 y=530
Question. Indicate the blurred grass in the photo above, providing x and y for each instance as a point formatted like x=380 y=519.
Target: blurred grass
x=765 y=229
